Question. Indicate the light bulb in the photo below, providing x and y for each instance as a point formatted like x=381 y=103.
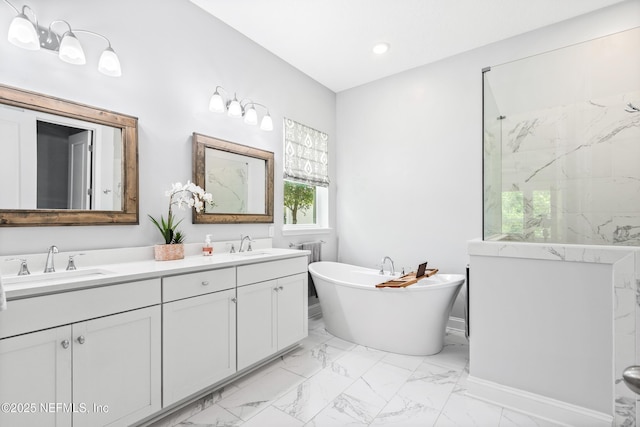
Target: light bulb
x=71 y=50
x=109 y=63
x=267 y=123
x=216 y=104
x=251 y=116
x=234 y=108
x=22 y=33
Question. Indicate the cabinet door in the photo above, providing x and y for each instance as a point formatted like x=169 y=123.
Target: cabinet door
x=198 y=343
x=292 y=309
x=256 y=322
x=116 y=367
x=35 y=375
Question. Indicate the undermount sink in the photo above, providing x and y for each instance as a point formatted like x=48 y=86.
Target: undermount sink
x=56 y=275
x=252 y=253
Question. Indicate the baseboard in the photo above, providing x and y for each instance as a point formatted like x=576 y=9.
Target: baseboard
x=536 y=405
x=456 y=323
x=314 y=311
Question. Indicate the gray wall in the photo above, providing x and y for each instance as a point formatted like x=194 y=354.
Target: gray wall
x=409 y=160
x=173 y=55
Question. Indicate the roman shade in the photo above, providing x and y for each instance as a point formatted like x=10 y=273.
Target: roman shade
x=305 y=154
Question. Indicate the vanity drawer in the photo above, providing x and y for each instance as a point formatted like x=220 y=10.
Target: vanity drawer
x=192 y=284
x=260 y=272
x=42 y=312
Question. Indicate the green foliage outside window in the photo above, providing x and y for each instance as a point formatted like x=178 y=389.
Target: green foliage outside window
x=298 y=199
x=512 y=212
x=537 y=212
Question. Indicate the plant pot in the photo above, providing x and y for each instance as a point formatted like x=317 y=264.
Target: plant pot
x=169 y=252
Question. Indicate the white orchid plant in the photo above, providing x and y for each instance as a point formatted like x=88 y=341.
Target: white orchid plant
x=181 y=196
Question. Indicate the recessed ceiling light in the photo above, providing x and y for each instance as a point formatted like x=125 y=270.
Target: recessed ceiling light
x=380 y=48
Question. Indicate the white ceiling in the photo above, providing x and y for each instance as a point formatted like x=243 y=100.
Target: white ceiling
x=331 y=40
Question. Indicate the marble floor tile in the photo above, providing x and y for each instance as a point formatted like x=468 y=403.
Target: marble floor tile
x=212 y=416
x=464 y=411
x=404 y=361
x=327 y=382
x=352 y=365
x=385 y=380
x=310 y=397
x=259 y=394
x=340 y=343
x=455 y=352
x=307 y=362
x=272 y=417
x=430 y=385
x=345 y=410
x=401 y=411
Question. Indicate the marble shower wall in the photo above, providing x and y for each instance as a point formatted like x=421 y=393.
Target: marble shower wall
x=584 y=158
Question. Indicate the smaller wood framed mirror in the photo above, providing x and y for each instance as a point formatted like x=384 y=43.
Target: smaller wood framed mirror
x=239 y=177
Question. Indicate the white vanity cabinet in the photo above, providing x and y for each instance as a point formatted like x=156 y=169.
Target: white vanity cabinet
x=199 y=331
x=106 y=353
x=35 y=369
x=272 y=308
x=95 y=372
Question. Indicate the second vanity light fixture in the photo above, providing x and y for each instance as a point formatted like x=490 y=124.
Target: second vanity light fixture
x=244 y=108
x=28 y=34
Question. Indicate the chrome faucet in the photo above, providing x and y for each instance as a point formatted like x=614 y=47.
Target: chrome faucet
x=49 y=267
x=243 y=238
x=393 y=270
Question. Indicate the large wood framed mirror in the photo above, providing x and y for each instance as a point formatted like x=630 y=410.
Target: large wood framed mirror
x=240 y=178
x=65 y=163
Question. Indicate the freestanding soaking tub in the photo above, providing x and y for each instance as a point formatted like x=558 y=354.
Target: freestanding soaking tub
x=409 y=320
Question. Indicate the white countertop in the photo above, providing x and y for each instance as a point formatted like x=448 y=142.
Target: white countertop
x=37 y=284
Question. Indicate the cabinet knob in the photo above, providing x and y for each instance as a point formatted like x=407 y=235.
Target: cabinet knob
x=65 y=344
x=205 y=283
x=275 y=289
x=233 y=300
x=81 y=339
x=280 y=288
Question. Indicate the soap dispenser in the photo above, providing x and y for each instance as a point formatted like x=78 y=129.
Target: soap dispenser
x=207 y=249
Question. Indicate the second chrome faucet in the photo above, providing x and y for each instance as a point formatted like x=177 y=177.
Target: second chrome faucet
x=242 y=239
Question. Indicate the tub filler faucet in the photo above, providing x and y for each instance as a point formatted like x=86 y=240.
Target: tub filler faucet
x=392 y=270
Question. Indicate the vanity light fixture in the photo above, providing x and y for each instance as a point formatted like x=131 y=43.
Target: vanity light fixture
x=28 y=34
x=244 y=108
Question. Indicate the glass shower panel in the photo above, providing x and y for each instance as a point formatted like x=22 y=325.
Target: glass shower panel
x=562 y=145
x=492 y=183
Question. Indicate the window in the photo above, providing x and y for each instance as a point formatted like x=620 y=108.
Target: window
x=306 y=177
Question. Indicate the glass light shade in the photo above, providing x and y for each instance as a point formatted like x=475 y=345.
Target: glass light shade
x=109 y=63
x=267 y=123
x=216 y=103
x=251 y=116
x=71 y=50
x=234 y=108
x=22 y=33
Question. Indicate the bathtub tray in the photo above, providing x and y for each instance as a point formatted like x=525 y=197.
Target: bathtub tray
x=406 y=280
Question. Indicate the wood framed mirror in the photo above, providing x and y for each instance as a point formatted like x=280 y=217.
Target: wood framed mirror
x=240 y=178
x=65 y=163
